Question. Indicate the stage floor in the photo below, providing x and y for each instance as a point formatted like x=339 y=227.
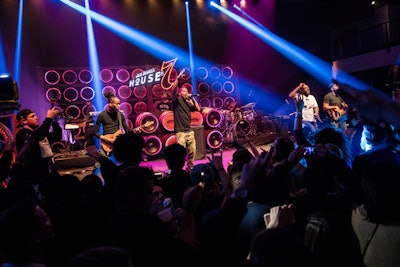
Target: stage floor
x=159 y=165
x=69 y=164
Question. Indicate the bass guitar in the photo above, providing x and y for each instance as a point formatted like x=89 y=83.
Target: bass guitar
x=108 y=146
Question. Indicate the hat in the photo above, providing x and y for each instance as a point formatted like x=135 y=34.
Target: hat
x=204 y=173
x=22 y=114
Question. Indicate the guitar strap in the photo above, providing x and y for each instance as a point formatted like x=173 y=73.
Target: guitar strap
x=341 y=100
x=120 y=122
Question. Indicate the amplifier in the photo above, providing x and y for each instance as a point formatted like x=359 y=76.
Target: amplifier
x=75 y=159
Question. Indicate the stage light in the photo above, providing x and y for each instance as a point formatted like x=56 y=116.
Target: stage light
x=8 y=88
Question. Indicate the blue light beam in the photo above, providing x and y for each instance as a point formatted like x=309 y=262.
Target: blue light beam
x=3 y=65
x=190 y=44
x=94 y=60
x=154 y=46
x=165 y=51
x=319 y=69
x=17 y=58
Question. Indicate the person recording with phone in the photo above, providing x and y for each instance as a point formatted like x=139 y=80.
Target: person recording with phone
x=33 y=144
x=310 y=110
x=183 y=104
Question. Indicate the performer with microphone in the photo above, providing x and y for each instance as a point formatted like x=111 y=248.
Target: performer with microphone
x=183 y=104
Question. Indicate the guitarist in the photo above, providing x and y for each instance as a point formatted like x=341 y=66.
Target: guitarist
x=335 y=106
x=113 y=123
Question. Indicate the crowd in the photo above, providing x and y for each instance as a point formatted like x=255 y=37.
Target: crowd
x=312 y=200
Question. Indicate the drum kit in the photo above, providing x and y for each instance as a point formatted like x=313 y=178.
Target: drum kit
x=240 y=122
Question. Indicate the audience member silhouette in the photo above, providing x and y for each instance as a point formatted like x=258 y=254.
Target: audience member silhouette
x=128 y=151
x=102 y=257
x=376 y=221
x=132 y=226
x=279 y=247
x=178 y=180
x=26 y=233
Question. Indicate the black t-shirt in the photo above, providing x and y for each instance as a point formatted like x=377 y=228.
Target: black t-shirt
x=182 y=113
x=110 y=123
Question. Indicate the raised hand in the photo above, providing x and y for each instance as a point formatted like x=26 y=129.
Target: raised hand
x=281 y=216
x=216 y=161
x=181 y=73
x=299 y=104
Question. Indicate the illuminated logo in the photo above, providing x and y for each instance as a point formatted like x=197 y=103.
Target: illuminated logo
x=151 y=76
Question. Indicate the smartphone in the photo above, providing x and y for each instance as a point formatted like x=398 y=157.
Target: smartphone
x=310 y=150
x=267 y=218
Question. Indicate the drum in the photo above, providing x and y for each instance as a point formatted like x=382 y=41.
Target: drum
x=196 y=118
x=147 y=118
x=214 y=138
x=152 y=145
x=213 y=117
x=249 y=115
x=168 y=139
x=167 y=120
x=242 y=126
x=59 y=147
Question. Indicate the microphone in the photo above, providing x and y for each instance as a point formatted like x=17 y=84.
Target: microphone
x=192 y=95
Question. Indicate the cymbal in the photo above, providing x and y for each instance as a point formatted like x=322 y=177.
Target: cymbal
x=249 y=105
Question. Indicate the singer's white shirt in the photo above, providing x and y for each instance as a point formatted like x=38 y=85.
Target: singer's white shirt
x=308 y=110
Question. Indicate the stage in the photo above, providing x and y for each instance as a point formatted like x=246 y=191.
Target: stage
x=159 y=166
x=80 y=164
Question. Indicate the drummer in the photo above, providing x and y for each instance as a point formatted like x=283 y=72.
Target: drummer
x=232 y=113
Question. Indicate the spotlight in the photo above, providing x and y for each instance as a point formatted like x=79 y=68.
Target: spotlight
x=8 y=88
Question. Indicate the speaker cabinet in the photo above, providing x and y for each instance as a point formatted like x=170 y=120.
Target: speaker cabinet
x=200 y=141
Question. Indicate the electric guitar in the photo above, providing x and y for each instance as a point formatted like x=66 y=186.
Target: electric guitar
x=108 y=146
x=335 y=115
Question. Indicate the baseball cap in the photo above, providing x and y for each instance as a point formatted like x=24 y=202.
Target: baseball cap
x=22 y=114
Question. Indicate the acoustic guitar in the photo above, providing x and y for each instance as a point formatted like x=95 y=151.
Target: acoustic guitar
x=108 y=146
